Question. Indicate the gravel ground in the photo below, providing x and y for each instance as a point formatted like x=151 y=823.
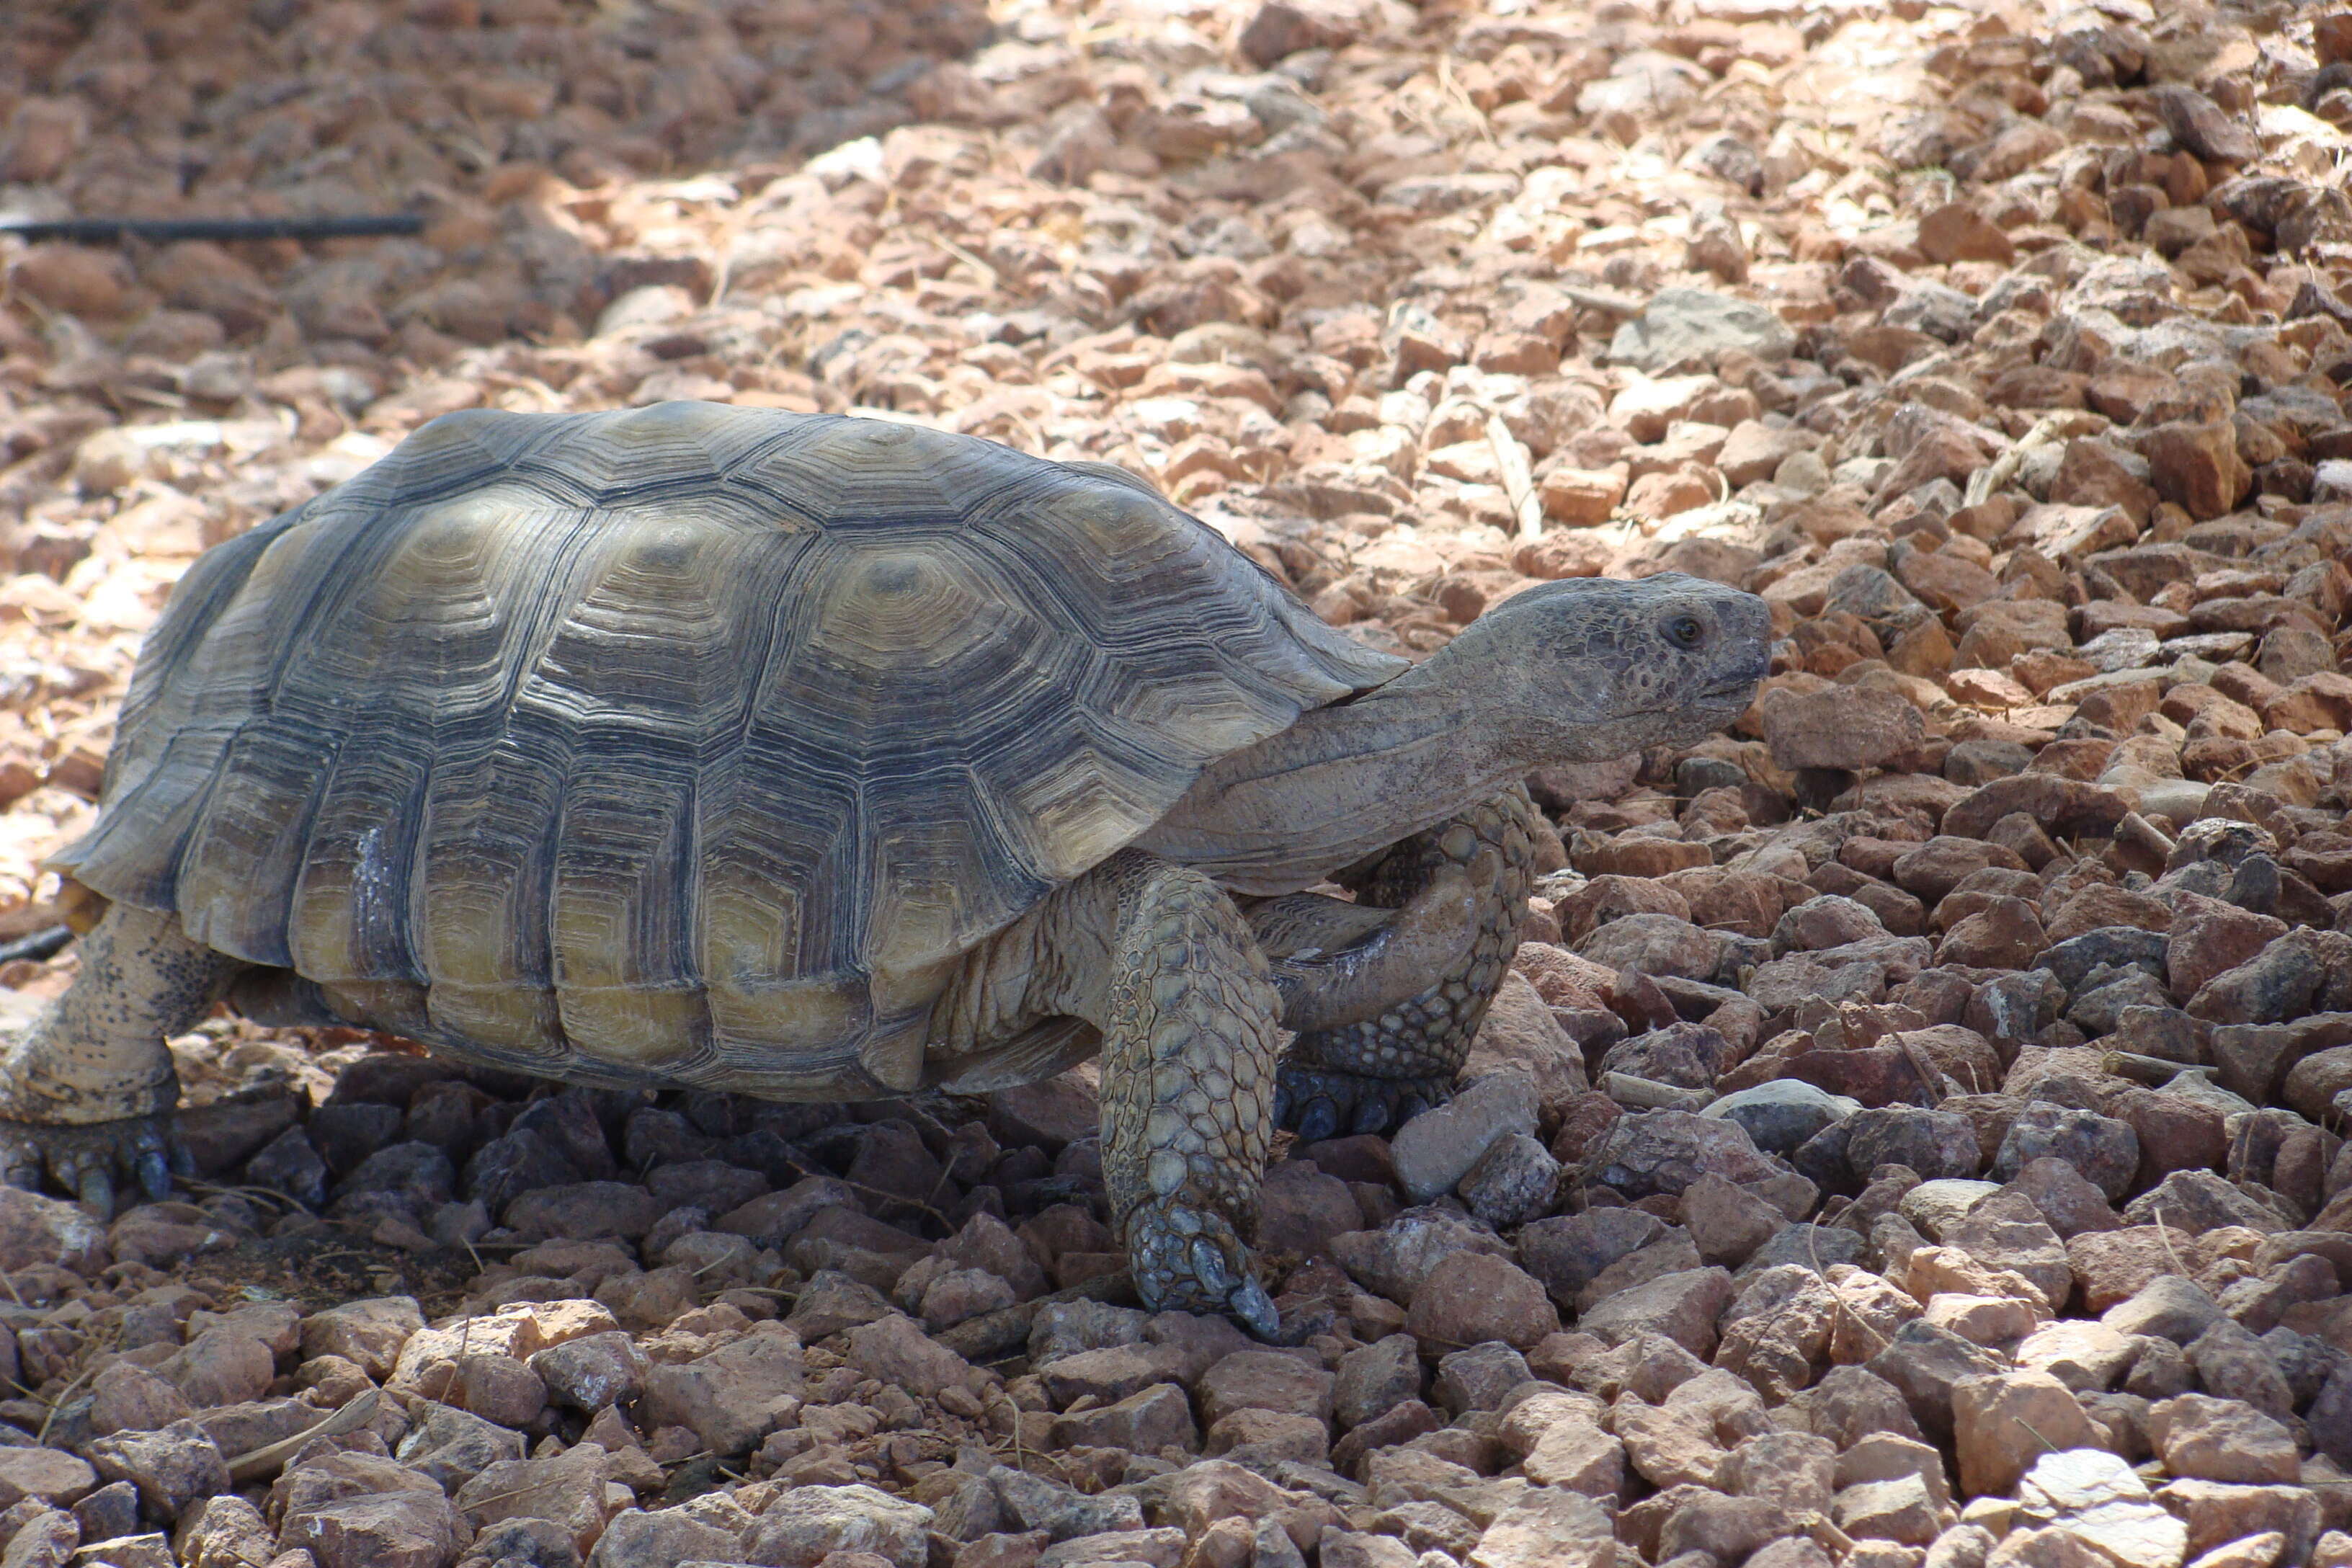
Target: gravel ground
x=1909 y=1136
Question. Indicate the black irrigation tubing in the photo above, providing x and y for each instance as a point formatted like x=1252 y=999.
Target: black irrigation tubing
x=41 y=944
x=163 y=230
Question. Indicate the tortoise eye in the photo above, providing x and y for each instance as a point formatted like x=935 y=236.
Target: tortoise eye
x=1684 y=631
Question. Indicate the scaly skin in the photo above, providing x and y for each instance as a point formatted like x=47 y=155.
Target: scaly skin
x=86 y=1095
x=1372 y=1075
x=1189 y=1042
x=1160 y=960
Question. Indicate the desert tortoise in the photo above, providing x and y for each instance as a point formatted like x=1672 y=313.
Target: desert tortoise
x=828 y=759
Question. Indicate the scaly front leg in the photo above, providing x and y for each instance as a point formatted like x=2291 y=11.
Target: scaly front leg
x=1372 y=1075
x=1188 y=1018
x=87 y=1094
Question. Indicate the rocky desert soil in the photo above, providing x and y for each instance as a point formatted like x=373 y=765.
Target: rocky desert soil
x=1911 y=1135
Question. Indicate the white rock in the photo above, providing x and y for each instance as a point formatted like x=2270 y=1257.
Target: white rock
x=2100 y=1498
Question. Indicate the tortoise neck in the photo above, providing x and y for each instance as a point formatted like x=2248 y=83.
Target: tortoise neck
x=1343 y=783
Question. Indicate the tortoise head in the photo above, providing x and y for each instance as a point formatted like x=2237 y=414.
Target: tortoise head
x=1592 y=668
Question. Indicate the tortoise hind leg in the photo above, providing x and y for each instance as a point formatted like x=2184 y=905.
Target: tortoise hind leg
x=1188 y=1018
x=87 y=1093
x=1370 y=1075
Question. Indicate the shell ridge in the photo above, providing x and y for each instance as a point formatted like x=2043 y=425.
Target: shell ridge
x=237 y=870
x=505 y=768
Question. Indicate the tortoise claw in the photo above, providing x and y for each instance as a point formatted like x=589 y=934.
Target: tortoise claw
x=1189 y=1259
x=1318 y=1121
x=1318 y=1103
x=1251 y=1308
x=154 y=1172
x=99 y=1163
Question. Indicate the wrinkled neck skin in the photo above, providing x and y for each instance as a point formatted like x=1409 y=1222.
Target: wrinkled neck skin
x=1344 y=783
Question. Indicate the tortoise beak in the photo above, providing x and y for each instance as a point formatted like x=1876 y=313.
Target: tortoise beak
x=1738 y=691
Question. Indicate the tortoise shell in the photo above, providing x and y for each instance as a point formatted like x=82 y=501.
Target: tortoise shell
x=684 y=743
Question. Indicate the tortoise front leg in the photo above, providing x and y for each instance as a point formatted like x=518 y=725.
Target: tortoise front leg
x=87 y=1094
x=1188 y=1017
x=1370 y=1075
x=1338 y=964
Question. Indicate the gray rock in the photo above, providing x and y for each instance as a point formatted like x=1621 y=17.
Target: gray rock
x=1899 y=1509
x=1300 y=1209
x=1568 y=1252
x=1937 y=309
x=1937 y=1205
x=1924 y=1364
x=1375 y=1378
x=1513 y=1181
x=592 y=1371
x=832 y=1301
x=1692 y=324
x=1436 y=1148
x=635 y=1539
x=1258 y=1379
x=1111 y=1374
x=450 y=1446
x=2200 y=1201
x=1066 y=1328
x=568 y=1487
x=732 y=1397
x=2015 y=1006
x=2068 y=1203
x=808 y=1523
x=1936 y=1144
x=34 y=1229
x=2121 y=947
x=1689 y=1056
x=256 y=1424
x=2105 y=1151
x=1727 y=1223
x=1153 y=1548
x=1815 y=1246
x=1393 y=1260
x=2199 y=125
x=2006 y=1231
x=1478 y=1377
x=172 y=1468
x=541 y=1543
x=1683 y=1307
x=1141 y=1424
x=1858 y=971
x=2099 y=1009
x=2304 y=1361
x=1795 y=1469
x=1063 y=1512
x=1546 y=1527
x=109 y=1511
x=1271 y=1547
x=1649 y=1152
x=1873 y=594
x=1656 y=943
x=46 y=1540
x=972 y=1508
x=368 y=1333
x=2233 y=1365
x=2159 y=1369
x=222 y=1531
x=1783 y=1114
x=1826 y=920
